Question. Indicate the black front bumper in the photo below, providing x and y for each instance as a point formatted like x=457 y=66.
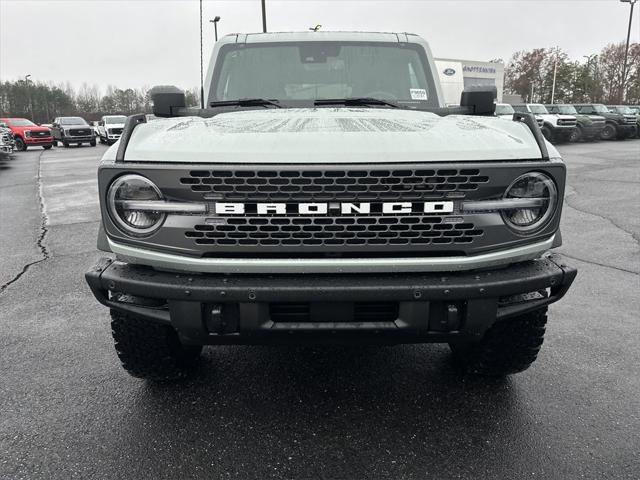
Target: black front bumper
x=351 y=308
x=79 y=139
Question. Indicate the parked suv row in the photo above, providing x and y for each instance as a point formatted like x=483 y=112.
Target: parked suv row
x=563 y=122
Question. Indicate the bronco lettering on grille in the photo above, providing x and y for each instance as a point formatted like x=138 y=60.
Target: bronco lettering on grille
x=387 y=208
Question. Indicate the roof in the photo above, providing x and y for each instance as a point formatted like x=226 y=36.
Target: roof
x=310 y=36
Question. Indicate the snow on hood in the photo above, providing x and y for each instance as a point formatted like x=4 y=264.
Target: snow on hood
x=330 y=135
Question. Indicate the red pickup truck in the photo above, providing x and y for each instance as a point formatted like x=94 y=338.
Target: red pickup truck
x=28 y=134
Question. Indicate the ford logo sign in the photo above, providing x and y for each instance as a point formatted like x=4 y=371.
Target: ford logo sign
x=449 y=71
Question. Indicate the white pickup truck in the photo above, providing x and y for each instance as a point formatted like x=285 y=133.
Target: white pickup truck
x=326 y=194
x=110 y=128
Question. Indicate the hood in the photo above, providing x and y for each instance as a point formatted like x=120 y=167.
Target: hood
x=330 y=135
x=565 y=117
x=36 y=128
x=113 y=125
x=75 y=125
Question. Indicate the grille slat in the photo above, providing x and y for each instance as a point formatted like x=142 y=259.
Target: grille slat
x=304 y=186
x=333 y=231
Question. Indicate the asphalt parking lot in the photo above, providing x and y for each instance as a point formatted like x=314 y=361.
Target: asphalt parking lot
x=68 y=410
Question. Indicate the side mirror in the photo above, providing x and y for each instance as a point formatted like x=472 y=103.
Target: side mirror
x=480 y=98
x=166 y=99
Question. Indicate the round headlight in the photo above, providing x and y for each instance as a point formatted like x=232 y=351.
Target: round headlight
x=542 y=190
x=122 y=195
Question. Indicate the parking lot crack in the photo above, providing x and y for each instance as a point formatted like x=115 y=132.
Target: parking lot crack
x=44 y=221
x=591 y=262
x=633 y=235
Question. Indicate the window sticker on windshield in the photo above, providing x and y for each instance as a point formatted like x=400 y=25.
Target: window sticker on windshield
x=418 y=93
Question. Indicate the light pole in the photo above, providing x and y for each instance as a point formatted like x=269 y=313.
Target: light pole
x=264 y=17
x=26 y=84
x=588 y=68
x=201 y=68
x=626 y=49
x=555 y=69
x=215 y=21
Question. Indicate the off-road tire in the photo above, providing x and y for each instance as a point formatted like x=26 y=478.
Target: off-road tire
x=509 y=346
x=576 y=135
x=608 y=133
x=65 y=144
x=150 y=350
x=47 y=147
x=20 y=144
x=92 y=143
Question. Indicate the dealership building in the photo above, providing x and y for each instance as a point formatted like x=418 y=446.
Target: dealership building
x=455 y=75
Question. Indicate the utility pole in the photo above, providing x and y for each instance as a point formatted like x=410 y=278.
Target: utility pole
x=531 y=98
x=201 y=67
x=555 y=69
x=264 y=17
x=626 y=49
x=215 y=21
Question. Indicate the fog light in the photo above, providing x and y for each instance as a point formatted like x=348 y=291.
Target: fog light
x=130 y=188
x=535 y=186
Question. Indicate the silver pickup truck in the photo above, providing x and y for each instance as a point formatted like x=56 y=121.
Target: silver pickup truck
x=325 y=194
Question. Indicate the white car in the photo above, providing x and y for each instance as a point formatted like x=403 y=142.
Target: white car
x=110 y=128
x=504 y=110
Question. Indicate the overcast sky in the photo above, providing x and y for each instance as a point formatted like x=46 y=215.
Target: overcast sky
x=145 y=42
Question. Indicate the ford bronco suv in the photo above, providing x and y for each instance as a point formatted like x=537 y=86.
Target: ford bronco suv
x=629 y=113
x=506 y=111
x=617 y=125
x=556 y=128
x=589 y=127
x=325 y=194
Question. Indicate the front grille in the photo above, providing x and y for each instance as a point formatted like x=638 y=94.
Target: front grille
x=354 y=312
x=630 y=119
x=567 y=122
x=115 y=131
x=40 y=134
x=333 y=231
x=354 y=234
x=332 y=184
x=79 y=132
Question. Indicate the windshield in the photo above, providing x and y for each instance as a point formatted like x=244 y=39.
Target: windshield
x=601 y=109
x=21 y=122
x=623 y=109
x=73 y=121
x=539 y=109
x=118 y=119
x=566 y=109
x=504 y=109
x=324 y=70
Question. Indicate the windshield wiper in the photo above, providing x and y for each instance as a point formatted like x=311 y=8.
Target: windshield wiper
x=246 y=102
x=356 y=102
